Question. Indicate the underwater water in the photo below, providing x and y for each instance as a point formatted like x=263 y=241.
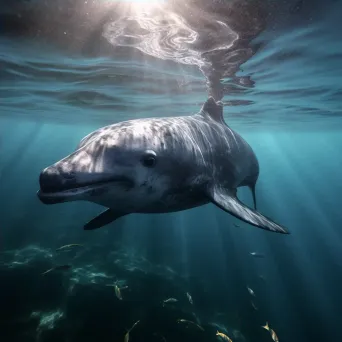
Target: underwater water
x=68 y=68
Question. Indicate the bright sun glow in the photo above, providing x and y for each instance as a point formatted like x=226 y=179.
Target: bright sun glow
x=139 y=5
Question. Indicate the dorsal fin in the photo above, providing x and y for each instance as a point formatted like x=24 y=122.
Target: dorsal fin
x=213 y=109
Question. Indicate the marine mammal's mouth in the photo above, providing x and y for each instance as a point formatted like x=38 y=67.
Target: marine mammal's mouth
x=58 y=194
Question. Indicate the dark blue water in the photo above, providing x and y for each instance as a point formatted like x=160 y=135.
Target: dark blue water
x=69 y=68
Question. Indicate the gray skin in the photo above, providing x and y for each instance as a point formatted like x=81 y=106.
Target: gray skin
x=159 y=165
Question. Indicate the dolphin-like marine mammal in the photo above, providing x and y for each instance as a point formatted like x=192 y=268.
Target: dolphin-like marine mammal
x=159 y=165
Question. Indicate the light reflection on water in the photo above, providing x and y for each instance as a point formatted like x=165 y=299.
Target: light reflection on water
x=115 y=60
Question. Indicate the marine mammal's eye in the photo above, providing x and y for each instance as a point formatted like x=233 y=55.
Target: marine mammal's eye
x=149 y=159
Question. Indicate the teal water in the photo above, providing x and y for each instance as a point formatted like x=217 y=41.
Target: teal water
x=285 y=100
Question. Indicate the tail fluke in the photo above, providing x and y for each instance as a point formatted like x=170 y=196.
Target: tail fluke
x=252 y=188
